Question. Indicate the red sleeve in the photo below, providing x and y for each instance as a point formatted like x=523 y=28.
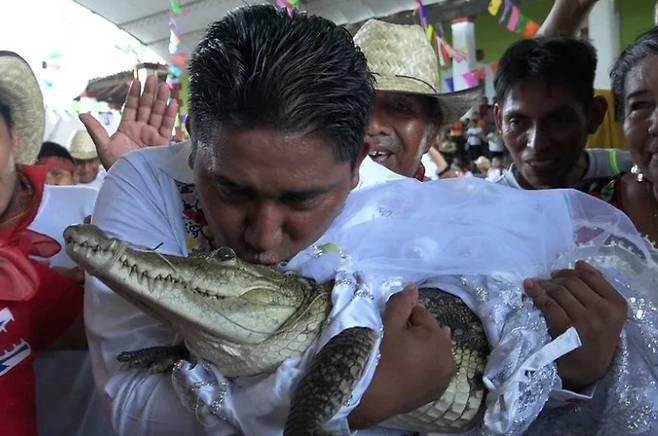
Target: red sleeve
x=56 y=304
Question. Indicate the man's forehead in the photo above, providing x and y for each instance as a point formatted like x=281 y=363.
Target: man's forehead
x=539 y=96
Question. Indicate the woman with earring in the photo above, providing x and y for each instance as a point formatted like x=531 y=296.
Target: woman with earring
x=635 y=85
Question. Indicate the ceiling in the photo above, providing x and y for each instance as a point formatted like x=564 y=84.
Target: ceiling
x=148 y=20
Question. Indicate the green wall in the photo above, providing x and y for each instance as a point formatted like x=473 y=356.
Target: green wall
x=636 y=16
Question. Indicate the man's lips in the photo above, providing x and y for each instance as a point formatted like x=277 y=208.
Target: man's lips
x=542 y=164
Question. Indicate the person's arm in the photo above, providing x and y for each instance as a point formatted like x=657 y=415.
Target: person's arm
x=566 y=17
x=132 y=206
x=582 y=298
x=145 y=120
x=416 y=363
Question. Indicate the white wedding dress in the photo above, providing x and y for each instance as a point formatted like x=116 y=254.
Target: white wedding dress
x=478 y=241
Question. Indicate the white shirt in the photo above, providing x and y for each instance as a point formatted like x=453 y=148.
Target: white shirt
x=474 y=136
x=97 y=182
x=496 y=144
x=602 y=163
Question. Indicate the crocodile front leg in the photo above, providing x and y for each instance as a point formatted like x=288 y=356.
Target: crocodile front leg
x=154 y=360
x=329 y=382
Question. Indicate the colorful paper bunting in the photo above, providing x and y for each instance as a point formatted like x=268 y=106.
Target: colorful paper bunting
x=175 y=7
x=530 y=29
x=450 y=84
x=523 y=21
x=514 y=17
x=470 y=79
x=422 y=14
x=506 y=11
x=494 y=7
x=517 y=22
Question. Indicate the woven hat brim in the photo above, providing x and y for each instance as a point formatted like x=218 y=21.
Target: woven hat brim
x=84 y=155
x=453 y=104
x=19 y=90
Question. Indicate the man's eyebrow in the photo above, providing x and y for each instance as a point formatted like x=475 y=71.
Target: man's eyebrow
x=233 y=185
x=305 y=194
x=300 y=195
x=638 y=93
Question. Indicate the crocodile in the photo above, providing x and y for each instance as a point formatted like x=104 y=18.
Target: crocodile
x=247 y=319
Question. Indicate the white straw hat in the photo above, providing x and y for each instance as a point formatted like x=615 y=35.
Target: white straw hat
x=20 y=92
x=402 y=60
x=82 y=146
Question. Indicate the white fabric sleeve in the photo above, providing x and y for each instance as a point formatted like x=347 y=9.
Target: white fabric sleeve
x=132 y=206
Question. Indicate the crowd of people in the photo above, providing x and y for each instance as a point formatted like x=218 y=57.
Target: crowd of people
x=282 y=138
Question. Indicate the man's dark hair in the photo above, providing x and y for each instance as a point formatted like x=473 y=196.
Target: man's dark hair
x=260 y=68
x=644 y=45
x=555 y=61
x=52 y=149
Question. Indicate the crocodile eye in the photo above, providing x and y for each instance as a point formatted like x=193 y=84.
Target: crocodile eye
x=224 y=254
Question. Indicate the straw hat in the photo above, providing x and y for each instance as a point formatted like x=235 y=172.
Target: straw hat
x=19 y=90
x=402 y=60
x=82 y=146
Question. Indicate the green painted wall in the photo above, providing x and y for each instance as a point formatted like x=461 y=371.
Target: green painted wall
x=636 y=16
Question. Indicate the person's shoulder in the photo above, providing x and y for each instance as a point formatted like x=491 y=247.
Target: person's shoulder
x=149 y=162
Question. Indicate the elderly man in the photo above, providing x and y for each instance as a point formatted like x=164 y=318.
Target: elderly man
x=409 y=111
x=241 y=183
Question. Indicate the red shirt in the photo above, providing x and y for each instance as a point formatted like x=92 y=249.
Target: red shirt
x=36 y=306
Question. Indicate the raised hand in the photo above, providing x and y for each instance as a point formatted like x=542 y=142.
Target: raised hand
x=145 y=120
x=565 y=17
x=582 y=298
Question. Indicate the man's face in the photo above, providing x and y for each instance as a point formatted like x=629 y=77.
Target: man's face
x=8 y=149
x=268 y=194
x=86 y=170
x=545 y=130
x=400 y=130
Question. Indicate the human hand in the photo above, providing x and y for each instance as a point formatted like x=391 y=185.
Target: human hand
x=146 y=120
x=582 y=298
x=416 y=362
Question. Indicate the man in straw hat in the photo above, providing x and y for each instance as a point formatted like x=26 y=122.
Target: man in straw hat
x=87 y=163
x=37 y=303
x=409 y=110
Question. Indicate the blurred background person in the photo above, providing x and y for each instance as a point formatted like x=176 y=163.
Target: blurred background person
x=58 y=160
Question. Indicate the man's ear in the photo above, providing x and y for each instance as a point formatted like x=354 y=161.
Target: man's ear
x=597 y=114
x=498 y=117
x=192 y=157
x=357 y=164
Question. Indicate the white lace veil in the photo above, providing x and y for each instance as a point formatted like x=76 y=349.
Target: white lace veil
x=480 y=241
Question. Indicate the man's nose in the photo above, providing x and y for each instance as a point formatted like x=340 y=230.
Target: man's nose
x=264 y=227
x=538 y=139
x=378 y=124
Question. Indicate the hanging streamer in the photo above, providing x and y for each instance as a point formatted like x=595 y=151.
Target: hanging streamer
x=516 y=21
